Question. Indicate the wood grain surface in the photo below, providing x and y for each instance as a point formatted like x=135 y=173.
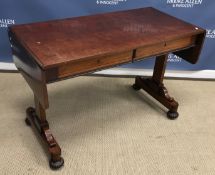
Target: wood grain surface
x=58 y=42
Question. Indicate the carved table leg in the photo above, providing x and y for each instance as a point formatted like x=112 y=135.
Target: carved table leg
x=37 y=119
x=155 y=87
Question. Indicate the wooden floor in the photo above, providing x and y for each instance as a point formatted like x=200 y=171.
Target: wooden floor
x=104 y=127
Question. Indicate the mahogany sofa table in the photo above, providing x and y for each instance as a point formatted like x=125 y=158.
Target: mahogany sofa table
x=46 y=52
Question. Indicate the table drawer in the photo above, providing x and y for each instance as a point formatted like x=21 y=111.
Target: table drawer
x=163 y=47
x=88 y=65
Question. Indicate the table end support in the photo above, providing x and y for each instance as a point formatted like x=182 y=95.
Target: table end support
x=159 y=92
x=155 y=87
x=41 y=127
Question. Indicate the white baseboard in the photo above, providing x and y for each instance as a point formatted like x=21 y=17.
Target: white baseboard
x=7 y=66
x=203 y=74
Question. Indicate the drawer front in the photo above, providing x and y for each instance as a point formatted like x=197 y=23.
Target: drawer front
x=88 y=65
x=160 y=48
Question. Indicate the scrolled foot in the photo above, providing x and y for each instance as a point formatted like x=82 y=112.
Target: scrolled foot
x=172 y=115
x=136 y=87
x=56 y=164
x=30 y=110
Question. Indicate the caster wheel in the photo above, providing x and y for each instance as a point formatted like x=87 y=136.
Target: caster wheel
x=56 y=164
x=172 y=115
x=136 y=87
x=27 y=122
x=30 y=110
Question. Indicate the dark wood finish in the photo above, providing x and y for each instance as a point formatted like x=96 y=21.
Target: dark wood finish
x=51 y=51
x=192 y=54
x=55 y=43
x=155 y=87
x=37 y=118
x=159 y=69
x=84 y=66
x=30 y=70
x=165 y=47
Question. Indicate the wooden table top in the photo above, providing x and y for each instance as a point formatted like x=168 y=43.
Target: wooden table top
x=58 y=42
